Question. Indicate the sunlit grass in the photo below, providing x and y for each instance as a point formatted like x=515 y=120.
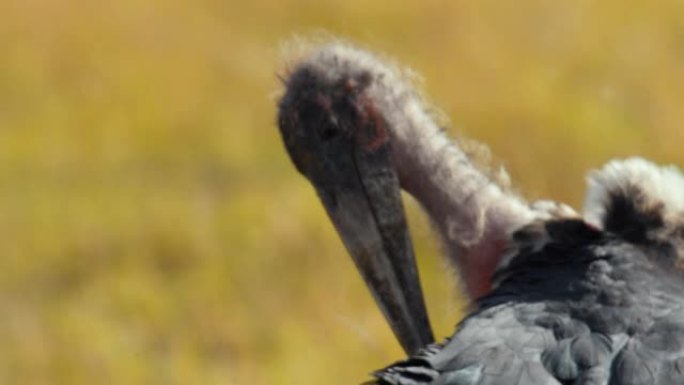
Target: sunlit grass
x=152 y=230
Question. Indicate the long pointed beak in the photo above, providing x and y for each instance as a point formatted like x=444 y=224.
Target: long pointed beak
x=369 y=217
x=341 y=146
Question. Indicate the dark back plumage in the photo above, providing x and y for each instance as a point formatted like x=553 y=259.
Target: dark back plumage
x=575 y=305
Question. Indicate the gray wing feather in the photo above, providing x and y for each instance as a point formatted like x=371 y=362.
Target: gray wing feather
x=604 y=314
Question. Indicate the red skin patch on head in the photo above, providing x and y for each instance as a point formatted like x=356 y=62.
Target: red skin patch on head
x=379 y=136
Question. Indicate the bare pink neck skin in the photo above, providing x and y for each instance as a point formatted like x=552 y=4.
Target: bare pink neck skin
x=474 y=215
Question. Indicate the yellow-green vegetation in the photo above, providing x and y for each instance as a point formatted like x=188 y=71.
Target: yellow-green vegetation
x=152 y=229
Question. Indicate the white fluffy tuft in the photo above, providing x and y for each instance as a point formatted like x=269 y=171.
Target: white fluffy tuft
x=656 y=184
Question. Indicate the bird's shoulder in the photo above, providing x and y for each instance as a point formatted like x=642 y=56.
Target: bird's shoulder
x=583 y=308
x=538 y=343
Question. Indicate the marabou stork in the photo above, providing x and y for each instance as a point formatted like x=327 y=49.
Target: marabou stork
x=559 y=298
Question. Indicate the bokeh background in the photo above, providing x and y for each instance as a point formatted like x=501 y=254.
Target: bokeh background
x=152 y=229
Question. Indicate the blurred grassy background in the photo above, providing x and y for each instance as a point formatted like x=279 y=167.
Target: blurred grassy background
x=152 y=230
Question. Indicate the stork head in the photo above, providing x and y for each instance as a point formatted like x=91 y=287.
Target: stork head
x=338 y=139
x=640 y=202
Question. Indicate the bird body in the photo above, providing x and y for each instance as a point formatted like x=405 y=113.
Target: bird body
x=593 y=300
x=558 y=298
x=586 y=308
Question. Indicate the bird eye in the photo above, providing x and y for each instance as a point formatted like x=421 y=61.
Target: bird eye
x=329 y=129
x=317 y=116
